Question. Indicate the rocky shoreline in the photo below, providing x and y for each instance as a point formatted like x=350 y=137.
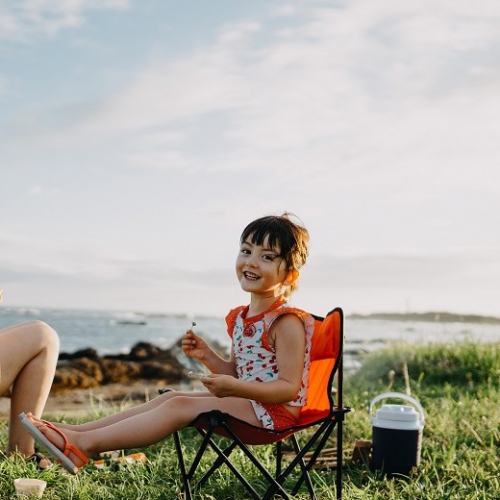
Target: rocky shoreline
x=85 y=368
x=86 y=381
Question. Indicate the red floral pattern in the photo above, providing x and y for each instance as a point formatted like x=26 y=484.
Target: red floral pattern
x=255 y=359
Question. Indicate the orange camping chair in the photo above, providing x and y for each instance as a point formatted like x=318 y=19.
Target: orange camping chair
x=318 y=418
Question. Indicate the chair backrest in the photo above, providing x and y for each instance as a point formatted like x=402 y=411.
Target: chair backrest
x=326 y=353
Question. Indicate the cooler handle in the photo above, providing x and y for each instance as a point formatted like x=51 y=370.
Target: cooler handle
x=397 y=395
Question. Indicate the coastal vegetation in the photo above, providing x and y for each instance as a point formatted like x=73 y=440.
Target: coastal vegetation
x=430 y=316
x=458 y=386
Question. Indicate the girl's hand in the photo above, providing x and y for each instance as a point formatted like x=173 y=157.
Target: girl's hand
x=221 y=386
x=194 y=346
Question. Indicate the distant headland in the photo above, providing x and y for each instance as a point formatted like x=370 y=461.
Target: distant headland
x=432 y=316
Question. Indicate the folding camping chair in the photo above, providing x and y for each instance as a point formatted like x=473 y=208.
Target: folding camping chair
x=320 y=416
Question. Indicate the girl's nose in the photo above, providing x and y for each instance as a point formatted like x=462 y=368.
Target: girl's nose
x=252 y=261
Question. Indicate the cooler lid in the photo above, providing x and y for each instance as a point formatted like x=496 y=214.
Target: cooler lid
x=397 y=412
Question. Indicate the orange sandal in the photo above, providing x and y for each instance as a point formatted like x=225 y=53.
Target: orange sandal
x=61 y=456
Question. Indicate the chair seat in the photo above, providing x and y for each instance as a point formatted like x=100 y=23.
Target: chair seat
x=248 y=433
x=251 y=434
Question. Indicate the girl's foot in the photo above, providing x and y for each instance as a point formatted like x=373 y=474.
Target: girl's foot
x=59 y=425
x=56 y=443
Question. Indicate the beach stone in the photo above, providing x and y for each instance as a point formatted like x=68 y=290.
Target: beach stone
x=79 y=373
x=116 y=371
x=89 y=352
x=86 y=369
x=152 y=370
x=143 y=350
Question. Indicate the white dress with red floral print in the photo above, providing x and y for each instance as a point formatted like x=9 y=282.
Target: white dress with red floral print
x=255 y=359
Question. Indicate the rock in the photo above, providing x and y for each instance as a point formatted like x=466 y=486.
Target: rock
x=85 y=368
x=82 y=353
x=143 y=350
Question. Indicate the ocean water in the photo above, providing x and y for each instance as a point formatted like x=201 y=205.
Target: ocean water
x=117 y=332
x=113 y=332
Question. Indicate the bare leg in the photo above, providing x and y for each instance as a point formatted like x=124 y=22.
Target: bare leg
x=148 y=427
x=124 y=414
x=28 y=359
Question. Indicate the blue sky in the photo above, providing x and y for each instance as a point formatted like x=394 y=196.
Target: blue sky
x=137 y=139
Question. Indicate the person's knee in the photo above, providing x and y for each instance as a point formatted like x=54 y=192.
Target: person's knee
x=178 y=401
x=183 y=405
x=49 y=338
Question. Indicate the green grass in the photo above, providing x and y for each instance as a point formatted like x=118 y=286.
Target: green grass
x=457 y=385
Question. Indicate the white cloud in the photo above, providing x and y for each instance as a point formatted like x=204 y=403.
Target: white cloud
x=367 y=83
x=21 y=20
x=34 y=191
x=378 y=121
x=9 y=26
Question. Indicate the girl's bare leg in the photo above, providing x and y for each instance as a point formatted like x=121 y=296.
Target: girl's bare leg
x=148 y=427
x=28 y=359
x=124 y=414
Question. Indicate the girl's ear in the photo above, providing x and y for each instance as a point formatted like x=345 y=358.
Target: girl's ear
x=291 y=277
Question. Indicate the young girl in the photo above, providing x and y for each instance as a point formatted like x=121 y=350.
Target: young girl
x=264 y=380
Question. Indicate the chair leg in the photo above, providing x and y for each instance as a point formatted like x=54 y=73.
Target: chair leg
x=187 y=476
x=318 y=441
x=182 y=464
x=324 y=433
x=224 y=459
x=223 y=456
x=305 y=470
x=275 y=484
x=279 y=457
x=338 y=482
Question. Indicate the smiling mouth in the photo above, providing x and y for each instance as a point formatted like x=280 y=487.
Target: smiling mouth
x=250 y=276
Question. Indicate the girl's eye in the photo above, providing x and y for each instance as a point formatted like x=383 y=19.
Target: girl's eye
x=245 y=251
x=268 y=257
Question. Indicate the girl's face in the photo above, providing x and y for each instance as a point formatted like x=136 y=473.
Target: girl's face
x=260 y=269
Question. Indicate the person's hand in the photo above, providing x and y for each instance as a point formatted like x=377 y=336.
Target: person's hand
x=221 y=386
x=194 y=346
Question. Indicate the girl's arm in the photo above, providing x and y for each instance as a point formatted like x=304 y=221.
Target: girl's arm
x=195 y=347
x=289 y=340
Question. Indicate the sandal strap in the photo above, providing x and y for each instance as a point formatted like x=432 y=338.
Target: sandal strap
x=67 y=445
